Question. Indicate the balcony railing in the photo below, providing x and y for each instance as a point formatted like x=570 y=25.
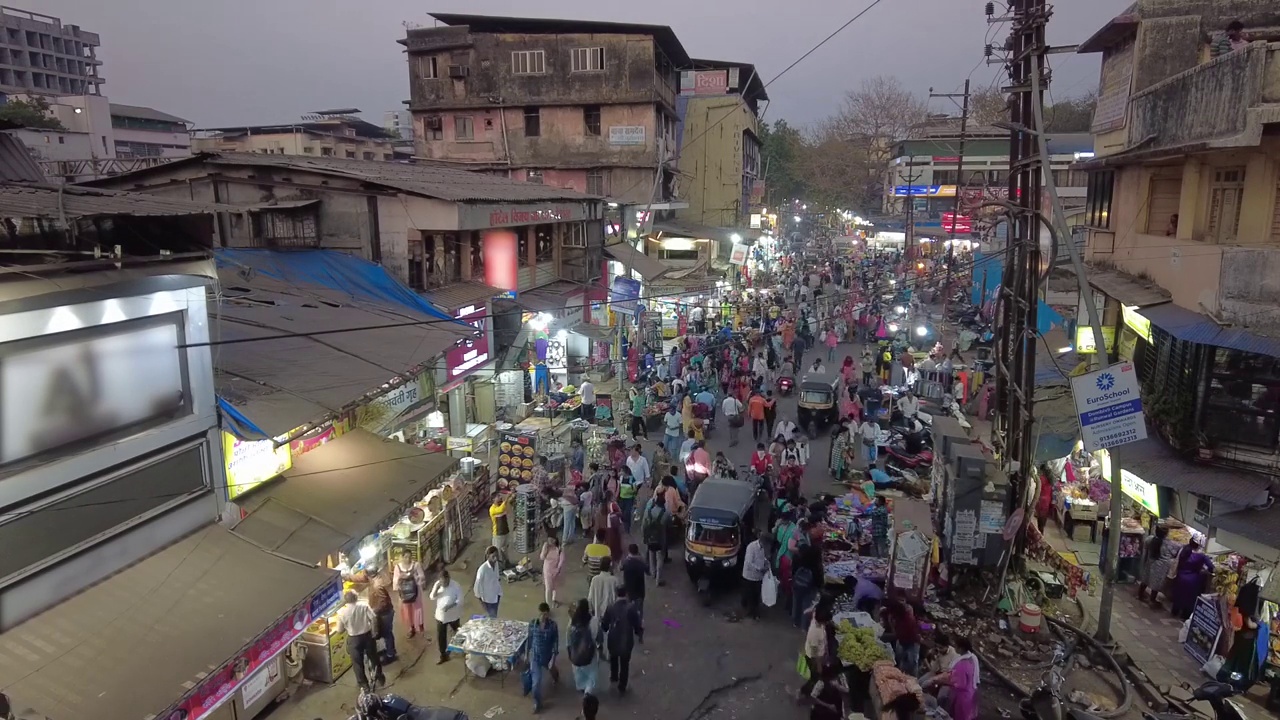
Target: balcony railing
x=1216 y=101
x=665 y=91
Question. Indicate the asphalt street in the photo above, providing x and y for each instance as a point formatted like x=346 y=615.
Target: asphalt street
x=697 y=663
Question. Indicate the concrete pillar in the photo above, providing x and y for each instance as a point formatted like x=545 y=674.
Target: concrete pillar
x=1191 y=211
x=1258 y=204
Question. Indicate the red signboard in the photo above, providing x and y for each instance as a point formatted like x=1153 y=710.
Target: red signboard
x=945 y=160
x=469 y=353
x=952 y=223
x=501 y=266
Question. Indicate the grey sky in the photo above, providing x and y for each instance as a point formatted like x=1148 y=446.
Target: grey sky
x=259 y=61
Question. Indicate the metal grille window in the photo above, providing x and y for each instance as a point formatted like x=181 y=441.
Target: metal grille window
x=533 y=176
x=463 y=127
x=591 y=119
x=1242 y=401
x=529 y=62
x=1225 y=197
x=1097 y=209
x=285 y=228
x=588 y=59
x=532 y=122
x=595 y=182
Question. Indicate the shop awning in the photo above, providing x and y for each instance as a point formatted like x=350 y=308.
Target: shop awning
x=1127 y=289
x=1260 y=526
x=1194 y=327
x=1157 y=463
x=553 y=298
x=649 y=268
x=132 y=645
x=285 y=367
x=595 y=332
x=461 y=294
x=340 y=492
x=680 y=228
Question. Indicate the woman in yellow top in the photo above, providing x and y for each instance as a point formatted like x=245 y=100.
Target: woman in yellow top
x=686 y=413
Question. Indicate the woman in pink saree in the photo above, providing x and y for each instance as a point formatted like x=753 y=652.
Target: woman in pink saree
x=963 y=681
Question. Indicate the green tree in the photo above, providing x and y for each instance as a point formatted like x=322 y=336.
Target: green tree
x=782 y=154
x=1073 y=115
x=33 y=113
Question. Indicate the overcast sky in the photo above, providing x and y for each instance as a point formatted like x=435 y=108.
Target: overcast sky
x=259 y=61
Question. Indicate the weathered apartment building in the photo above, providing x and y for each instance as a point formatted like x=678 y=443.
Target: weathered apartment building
x=719 y=136
x=1183 y=211
x=576 y=104
x=339 y=133
x=38 y=54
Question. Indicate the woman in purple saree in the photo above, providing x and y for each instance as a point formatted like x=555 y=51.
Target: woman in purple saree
x=1188 y=580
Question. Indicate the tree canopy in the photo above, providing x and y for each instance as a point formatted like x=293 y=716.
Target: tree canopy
x=33 y=113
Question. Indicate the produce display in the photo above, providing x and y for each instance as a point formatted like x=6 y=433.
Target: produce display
x=858 y=646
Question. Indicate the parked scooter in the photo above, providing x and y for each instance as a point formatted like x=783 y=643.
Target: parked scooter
x=1218 y=695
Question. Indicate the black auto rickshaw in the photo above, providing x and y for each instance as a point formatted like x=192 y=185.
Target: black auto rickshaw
x=819 y=402
x=721 y=521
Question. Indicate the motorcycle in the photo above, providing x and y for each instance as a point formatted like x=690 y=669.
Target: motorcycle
x=918 y=462
x=1217 y=694
x=371 y=706
x=786 y=385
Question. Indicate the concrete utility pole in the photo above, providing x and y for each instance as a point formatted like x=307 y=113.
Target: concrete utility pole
x=1015 y=356
x=909 y=248
x=960 y=186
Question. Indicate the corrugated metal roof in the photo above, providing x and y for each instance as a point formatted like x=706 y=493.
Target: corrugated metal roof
x=662 y=34
x=1199 y=328
x=1128 y=289
x=55 y=201
x=680 y=228
x=432 y=180
x=649 y=268
x=16 y=163
x=144 y=113
x=1261 y=526
x=553 y=298
x=461 y=294
x=1157 y=463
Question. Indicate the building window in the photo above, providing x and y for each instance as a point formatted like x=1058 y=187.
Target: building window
x=462 y=128
x=326 y=152
x=388 y=157
x=351 y=154
x=428 y=69
x=308 y=150
x=529 y=62
x=1097 y=208
x=944 y=177
x=595 y=182
x=522 y=246
x=532 y=122
x=591 y=119
x=588 y=59
x=1242 y=404
x=1225 y=197
x=533 y=176
x=1162 y=206
x=368 y=156
x=285 y=228
x=433 y=127
x=544 y=246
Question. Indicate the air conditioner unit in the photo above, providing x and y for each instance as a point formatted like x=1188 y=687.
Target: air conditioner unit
x=459 y=71
x=435 y=123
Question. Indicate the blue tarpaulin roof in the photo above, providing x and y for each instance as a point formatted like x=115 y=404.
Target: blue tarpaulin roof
x=1191 y=326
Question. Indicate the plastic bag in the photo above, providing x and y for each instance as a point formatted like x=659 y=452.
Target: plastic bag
x=1213 y=666
x=479 y=665
x=769 y=590
x=802 y=666
x=1184 y=631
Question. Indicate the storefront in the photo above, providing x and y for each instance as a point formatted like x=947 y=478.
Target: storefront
x=331 y=511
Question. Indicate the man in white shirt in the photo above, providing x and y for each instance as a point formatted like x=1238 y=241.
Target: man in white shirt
x=786 y=429
x=732 y=409
x=870 y=433
x=447 y=595
x=755 y=566
x=761 y=367
x=817 y=368
x=639 y=465
x=686 y=449
x=488 y=584
x=699 y=318
x=672 y=422
x=588 y=393
x=909 y=405
x=359 y=620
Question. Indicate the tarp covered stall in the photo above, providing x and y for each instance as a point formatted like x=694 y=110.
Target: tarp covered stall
x=1057 y=426
x=277 y=384
x=649 y=268
x=183 y=618
x=339 y=493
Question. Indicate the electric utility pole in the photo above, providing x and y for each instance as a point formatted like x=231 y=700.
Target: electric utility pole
x=909 y=248
x=960 y=185
x=1020 y=284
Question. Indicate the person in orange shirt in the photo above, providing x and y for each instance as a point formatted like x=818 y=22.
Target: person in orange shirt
x=755 y=409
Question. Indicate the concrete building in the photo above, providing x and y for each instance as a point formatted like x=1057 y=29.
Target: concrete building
x=568 y=103
x=927 y=170
x=328 y=133
x=719 y=138
x=1183 y=211
x=398 y=124
x=38 y=54
x=146 y=132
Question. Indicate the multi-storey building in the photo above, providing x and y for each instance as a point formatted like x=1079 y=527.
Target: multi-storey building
x=328 y=133
x=719 y=135
x=576 y=104
x=1183 y=211
x=147 y=132
x=38 y=54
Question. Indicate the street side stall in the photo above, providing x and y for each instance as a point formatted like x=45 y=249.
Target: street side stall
x=166 y=637
x=331 y=511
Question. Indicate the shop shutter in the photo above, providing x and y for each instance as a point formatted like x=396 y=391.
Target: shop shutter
x=1165 y=195
x=1275 y=216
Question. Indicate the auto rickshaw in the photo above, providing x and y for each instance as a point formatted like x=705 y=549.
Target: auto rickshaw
x=819 y=402
x=721 y=521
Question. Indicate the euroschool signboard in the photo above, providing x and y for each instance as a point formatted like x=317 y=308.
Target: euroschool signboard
x=1109 y=404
